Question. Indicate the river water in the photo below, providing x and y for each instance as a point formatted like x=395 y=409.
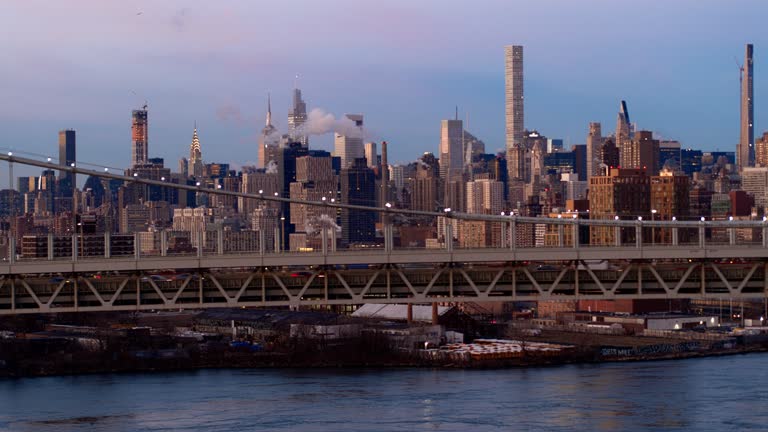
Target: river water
x=705 y=394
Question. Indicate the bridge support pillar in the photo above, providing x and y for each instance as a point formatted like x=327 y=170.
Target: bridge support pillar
x=765 y=240
x=675 y=238
x=560 y=236
x=262 y=239
x=107 y=244
x=513 y=233
x=220 y=241
x=448 y=235
x=324 y=240
x=200 y=243
x=503 y=234
x=136 y=246
x=277 y=240
x=74 y=247
x=388 y=237
x=617 y=235
x=575 y=235
x=50 y=247
x=732 y=236
x=434 y=314
x=639 y=235
x=11 y=249
x=701 y=235
x=163 y=243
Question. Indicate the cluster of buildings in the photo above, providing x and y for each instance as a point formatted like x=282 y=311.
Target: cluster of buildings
x=624 y=174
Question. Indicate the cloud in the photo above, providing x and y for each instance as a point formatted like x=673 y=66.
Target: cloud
x=230 y=112
x=179 y=20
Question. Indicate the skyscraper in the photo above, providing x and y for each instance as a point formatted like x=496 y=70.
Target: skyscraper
x=350 y=145
x=485 y=196
x=139 y=137
x=642 y=153
x=297 y=116
x=358 y=186
x=451 y=149
x=195 y=157
x=624 y=135
x=594 y=140
x=371 y=157
x=268 y=139
x=513 y=80
x=67 y=143
x=513 y=83
x=745 y=154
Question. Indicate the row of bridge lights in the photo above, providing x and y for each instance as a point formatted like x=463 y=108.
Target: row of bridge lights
x=447 y=210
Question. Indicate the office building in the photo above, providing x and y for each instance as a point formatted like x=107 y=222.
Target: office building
x=608 y=156
x=754 y=180
x=690 y=161
x=594 y=141
x=669 y=155
x=67 y=147
x=623 y=193
x=761 y=151
x=745 y=154
x=670 y=198
x=315 y=181
x=371 y=157
x=485 y=196
x=451 y=149
x=624 y=136
x=195 y=161
x=297 y=116
x=643 y=153
x=287 y=175
x=554 y=145
x=139 y=137
x=349 y=146
x=423 y=185
x=358 y=187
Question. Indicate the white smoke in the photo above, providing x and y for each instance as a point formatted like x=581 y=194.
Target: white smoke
x=321 y=122
x=317 y=223
x=272 y=137
x=271 y=167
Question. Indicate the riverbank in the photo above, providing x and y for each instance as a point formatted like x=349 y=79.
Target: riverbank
x=340 y=357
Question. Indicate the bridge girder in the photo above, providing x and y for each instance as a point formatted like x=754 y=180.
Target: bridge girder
x=334 y=285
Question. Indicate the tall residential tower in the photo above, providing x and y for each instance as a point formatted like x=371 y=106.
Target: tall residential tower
x=745 y=153
x=513 y=82
x=139 y=137
x=513 y=102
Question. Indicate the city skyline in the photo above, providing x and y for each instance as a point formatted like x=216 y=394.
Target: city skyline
x=230 y=114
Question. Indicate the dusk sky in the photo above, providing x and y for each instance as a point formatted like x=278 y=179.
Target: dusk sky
x=405 y=65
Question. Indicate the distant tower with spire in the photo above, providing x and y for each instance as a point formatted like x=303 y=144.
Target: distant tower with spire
x=268 y=140
x=297 y=116
x=195 y=156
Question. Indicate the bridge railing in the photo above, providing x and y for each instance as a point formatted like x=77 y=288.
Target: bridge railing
x=450 y=234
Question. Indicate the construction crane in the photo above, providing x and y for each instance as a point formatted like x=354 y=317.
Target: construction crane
x=741 y=68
